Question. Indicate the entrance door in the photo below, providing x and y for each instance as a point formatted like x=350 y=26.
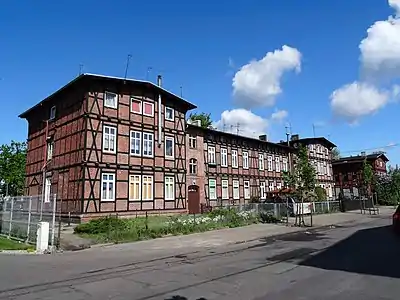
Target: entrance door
x=193 y=199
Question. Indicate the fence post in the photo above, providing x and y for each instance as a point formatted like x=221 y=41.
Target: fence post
x=11 y=217
x=329 y=210
x=28 y=231
x=53 y=221
x=313 y=206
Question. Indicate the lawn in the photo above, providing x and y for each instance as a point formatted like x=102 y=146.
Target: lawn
x=117 y=230
x=7 y=244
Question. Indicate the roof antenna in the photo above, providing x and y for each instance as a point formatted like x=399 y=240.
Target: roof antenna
x=80 y=69
x=181 y=90
x=127 y=66
x=148 y=72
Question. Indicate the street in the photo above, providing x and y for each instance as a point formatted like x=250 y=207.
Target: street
x=350 y=261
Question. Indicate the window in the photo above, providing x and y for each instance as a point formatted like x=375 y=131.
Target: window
x=279 y=185
x=236 y=194
x=270 y=163
x=271 y=186
x=147 y=187
x=134 y=187
x=148 y=109
x=224 y=157
x=169 y=113
x=148 y=144
x=234 y=159
x=211 y=155
x=47 y=190
x=261 y=161
x=136 y=106
x=328 y=170
x=225 y=189
x=109 y=139
x=108 y=187
x=136 y=142
x=52 y=113
x=262 y=190
x=285 y=164
x=277 y=164
x=193 y=166
x=169 y=188
x=169 y=146
x=192 y=141
x=110 y=100
x=245 y=160
x=50 y=149
x=212 y=189
x=246 y=185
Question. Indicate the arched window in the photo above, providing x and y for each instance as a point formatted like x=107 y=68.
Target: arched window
x=193 y=166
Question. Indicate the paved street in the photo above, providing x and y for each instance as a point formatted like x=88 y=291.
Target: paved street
x=353 y=260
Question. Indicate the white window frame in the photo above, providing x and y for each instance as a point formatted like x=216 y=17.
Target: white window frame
x=109 y=180
x=133 y=138
x=212 y=196
x=279 y=185
x=224 y=157
x=246 y=189
x=235 y=163
x=172 y=113
x=53 y=111
x=211 y=155
x=245 y=160
x=192 y=166
x=140 y=106
x=170 y=139
x=152 y=108
x=192 y=141
x=225 y=189
x=270 y=165
x=149 y=141
x=235 y=188
x=50 y=150
x=169 y=187
x=328 y=169
x=261 y=161
x=47 y=190
x=271 y=186
x=114 y=144
x=145 y=183
x=285 y=164
x=105 y=99
x=263 y=192
x=135 y=180
x=277 y=164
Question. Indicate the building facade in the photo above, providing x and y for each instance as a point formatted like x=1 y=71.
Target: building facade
x=232 y=169
x=109 y=145
x=320 y=156
x=348 y=171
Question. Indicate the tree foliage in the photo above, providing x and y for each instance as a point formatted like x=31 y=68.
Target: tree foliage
x=335 y=153
x=388 y=187
x=204 y=118
x=12 y=168
x=320 y=193
x=367 y=176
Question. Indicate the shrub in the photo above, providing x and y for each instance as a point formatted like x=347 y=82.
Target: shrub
x=321 y=193
x=267 y=217
x=101 y=225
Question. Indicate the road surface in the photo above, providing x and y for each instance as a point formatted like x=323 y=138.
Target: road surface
x=354 y=261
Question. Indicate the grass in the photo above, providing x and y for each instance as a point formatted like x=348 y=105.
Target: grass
x=8 y=244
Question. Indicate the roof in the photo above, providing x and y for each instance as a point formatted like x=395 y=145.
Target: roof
x=228 y=134
x=360 y=158
x=320 y=139
x=90 y=76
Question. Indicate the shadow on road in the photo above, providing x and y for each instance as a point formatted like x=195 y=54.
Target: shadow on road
x=183 y=298
x=373 y=251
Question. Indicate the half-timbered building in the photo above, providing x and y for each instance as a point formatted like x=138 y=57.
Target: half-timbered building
x=109 y=145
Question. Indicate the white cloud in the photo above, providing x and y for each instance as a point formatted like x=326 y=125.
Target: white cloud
x=249 y=123
x=355 y=100
x=279 y=115
x=258 y=83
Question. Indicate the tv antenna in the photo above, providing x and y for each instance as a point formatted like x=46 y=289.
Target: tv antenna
x=127 y=65
x=148 y=72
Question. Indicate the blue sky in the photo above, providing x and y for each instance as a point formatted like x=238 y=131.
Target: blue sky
x=201 y=45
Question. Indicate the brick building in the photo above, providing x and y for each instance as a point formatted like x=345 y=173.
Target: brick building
x=231 y=169
x=106 y=144
x=348 y=171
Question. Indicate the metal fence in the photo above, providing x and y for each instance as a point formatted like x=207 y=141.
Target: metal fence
x=20 y=216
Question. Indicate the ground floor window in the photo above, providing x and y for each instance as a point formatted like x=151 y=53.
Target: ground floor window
x=147 y=187
x=212 y=186
x=225 y=189
x=236 y=194
x=169 y=188
x=108 y=187
x=246 y=186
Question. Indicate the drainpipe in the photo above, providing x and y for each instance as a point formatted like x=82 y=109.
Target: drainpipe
x=159 y=78
x=44 y=169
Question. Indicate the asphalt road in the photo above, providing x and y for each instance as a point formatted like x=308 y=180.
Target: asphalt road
x=351 y=262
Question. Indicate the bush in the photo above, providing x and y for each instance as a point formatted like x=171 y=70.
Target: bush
x=321 y=193
x=101 y=225
x=267 y=217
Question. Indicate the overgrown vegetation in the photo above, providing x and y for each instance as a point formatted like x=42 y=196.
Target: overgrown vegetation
x=205 y=119
x=388 y=187
x=7 y=244
x=320 y=193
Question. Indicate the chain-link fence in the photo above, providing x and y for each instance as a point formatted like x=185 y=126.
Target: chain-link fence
x=20 y=216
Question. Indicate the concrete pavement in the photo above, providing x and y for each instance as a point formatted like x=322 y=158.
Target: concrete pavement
x=221 y=265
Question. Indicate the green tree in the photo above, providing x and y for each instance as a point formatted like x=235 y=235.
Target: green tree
x=12 y=168
x=387 y=187
x=335 y=153
x=367 y=177
x=320 y=193
x=204 y=118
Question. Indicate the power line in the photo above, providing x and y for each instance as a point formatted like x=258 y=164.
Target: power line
x=371 y=149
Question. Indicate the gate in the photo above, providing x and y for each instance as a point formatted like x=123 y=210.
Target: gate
x=193 y=199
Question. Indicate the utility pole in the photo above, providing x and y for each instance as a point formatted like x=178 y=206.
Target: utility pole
x=127 y=65
x=237 y=128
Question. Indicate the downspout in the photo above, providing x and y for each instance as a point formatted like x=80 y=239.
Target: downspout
x=159 y=78
x=44 y=169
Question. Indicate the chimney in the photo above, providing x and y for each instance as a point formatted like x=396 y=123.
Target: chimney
x=363 y=153
x=159 y=80
x=263 y=138
x=295 y=137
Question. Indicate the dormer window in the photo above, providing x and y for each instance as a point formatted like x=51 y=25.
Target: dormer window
x=52 y=113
